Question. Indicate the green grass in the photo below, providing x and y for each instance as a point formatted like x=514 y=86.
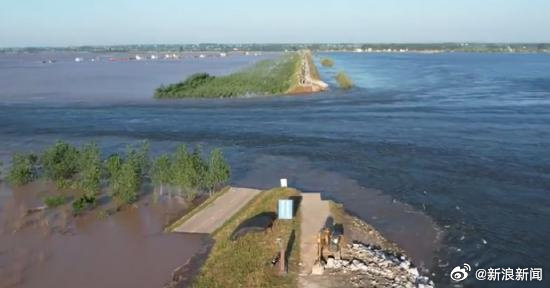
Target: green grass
x=54 y=201
x=343 y=80
x=246 y=261
x=196 y=210
x=327 y=62
x=267 y=77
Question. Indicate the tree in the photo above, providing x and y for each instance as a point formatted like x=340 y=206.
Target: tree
x=327 y=62
x=139 y=158
x=199 y=169
x=343 y=80
x=161 y=171
x=182 y=168
x=126 y=175
x=23 y=169
x=125 y=184
x=218 y=172
x=112 y=165
x=89 y=166
x=60 y=163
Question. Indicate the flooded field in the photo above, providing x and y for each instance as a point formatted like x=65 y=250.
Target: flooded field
x=50 y=247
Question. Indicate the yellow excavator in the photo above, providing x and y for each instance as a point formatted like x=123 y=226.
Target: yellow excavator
x=330 y=241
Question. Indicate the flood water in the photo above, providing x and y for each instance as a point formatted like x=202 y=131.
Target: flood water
x=445 y=154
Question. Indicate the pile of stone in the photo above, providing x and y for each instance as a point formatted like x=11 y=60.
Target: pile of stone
x=370 y=266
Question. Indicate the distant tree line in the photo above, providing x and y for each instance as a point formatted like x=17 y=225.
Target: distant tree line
x=83 y=171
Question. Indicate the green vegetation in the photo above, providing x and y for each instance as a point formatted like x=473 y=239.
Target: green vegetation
x=189 y=172
x=83 y=202
x=267 y=77
x=89 y=167
x=54 y=201
x=343 y=81
x=327 y=62
x=161 y=173
x=218 y=171
x=126 y=175
x=83 y=170
x=23 y=169
x=246 y=262
x=60 y=163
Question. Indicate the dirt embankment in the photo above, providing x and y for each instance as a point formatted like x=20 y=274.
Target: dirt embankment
x=367 y=260
x=308 y=76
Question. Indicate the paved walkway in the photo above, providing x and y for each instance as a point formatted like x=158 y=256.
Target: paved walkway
x=314 y=215
x=220 y=210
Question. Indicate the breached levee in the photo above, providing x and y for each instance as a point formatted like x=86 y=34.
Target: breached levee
x=292 y=73
x=309 y=80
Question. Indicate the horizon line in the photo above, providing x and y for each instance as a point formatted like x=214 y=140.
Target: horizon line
x=272 y=43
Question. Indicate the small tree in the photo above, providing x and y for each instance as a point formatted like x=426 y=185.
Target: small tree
x=139 y=158
x=218 y=172
x=327 y=62
x=344 y=81
x=60 y=163
x=89 y=166
x=23 y=169
x=112 y=165
x=161 y=171
x=199 y=169
x=126 y=176
x=182 y=168
x=125 y=184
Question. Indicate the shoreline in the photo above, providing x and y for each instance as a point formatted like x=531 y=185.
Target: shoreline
x=366 y=254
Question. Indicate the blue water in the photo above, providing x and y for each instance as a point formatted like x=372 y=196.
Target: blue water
x=462 y=138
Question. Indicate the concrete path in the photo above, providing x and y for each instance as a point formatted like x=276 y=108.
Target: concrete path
x=220 y=210
x=314 y=215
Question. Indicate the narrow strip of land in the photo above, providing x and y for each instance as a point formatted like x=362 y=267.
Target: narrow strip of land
x=308 y=77
x=216 y=213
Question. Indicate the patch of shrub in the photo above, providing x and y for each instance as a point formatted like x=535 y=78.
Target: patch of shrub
x=60 y=163
x=343 y=81
x=326 y=62
x=54 y=201
x=84 y=202
x=23 y=169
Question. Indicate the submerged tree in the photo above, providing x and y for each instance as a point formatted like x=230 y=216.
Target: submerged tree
x=182 y=168
x=112 y=165
x=126 y=175
x=23 y=169
x=343 y=81
x=60 y=163
x=199 y=167
x=218 y=172
x=161 y=171
x=125 y=184
x=327 y=62
x=89 y=166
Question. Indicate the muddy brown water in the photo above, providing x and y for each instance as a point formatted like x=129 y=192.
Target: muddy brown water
x=126 y=249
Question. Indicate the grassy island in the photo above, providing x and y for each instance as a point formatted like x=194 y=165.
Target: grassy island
x=267 y=77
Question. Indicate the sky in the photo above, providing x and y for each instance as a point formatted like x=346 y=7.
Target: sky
x=113 y=22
